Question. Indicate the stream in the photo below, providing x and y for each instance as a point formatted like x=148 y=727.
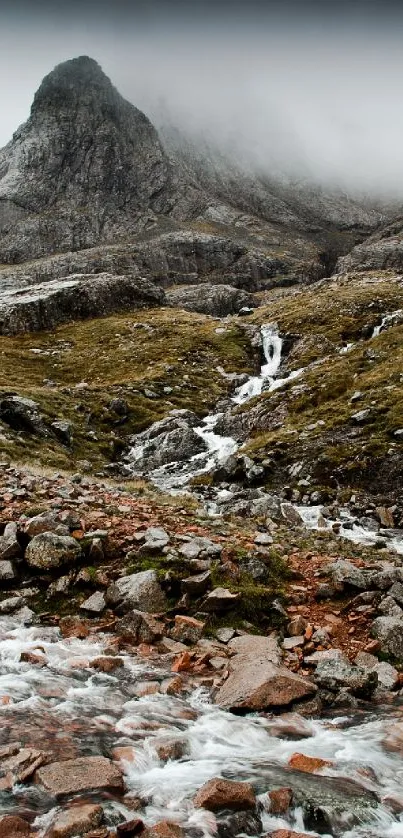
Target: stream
x=73 y=711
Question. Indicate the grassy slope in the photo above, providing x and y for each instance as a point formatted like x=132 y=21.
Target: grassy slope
x=117 y=356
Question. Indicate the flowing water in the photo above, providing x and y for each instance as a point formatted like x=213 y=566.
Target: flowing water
x=71 y=710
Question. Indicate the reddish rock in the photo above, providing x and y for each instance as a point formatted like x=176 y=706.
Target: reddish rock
x=187 y=629
x=130 y=828
x=78 y=775
x=169 y=749
x=20 y=766
x=34 y=658
x=310 y=765
x=285 y=833
x=183 y=663
x=14 y=827
x=280 y=801
x=165 y=829
x=74 y=627
x=394 y=802
x=219 y=794
x=393 y=740
x=259 y=685
x=106 y=664
x=76 y=821
x=124 y=753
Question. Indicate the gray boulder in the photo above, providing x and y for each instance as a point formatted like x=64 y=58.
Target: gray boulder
x=389 y=631
x=9 y=545
x=139 y=627
x=48 y=551
x=140 y=591
x=388 y=676
x=21 y=414
x=339 y=674
x=172 y=439
x=95 y=604
x=218 y=300
x=200 y=547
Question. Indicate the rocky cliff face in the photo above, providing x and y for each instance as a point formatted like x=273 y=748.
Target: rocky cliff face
x=86 y=167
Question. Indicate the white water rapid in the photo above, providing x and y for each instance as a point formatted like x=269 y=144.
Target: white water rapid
x=70 y=709
x=346 y=526
x=388 y=320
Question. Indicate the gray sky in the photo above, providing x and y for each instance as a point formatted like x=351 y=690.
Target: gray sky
x=319 y=92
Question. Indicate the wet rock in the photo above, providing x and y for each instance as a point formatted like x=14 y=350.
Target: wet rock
x=76 y=821
x=310 y=765
x=95 y=604
x=9 y=544
x=33 y=658
x=393 y=740
x=79 y=775
x=291 y=726
x=287 y=833
x=169 y=748
x=280 y=801
x=200 y=548
x=12 y=826
x=386 y=516
x=48 y=551
x=239 y=823
x=74 y=627
x=339 y=673
x=220 y=599
x=164 y=829
x=219 y=794
x=140 y=591
x=9 y=605
x=388 y=676
x=197 y=585
x=187 y=629
x=106 y=663
x=393 y=802
x=389 y=631
x=20 y=766
x=139 y=627
x=256 y=681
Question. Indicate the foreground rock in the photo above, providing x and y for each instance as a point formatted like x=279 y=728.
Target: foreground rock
x=76 y=821
x=139 y=591
x=256 y=681
x=225 y=794
x=79 y=775
x=11 y=826
x=49 y=551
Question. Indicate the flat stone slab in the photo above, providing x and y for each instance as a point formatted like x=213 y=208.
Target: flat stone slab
x=79 y=775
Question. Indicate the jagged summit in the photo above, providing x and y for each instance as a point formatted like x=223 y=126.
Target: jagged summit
x=86 y=167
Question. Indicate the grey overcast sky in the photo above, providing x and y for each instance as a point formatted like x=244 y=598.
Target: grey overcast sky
x=311 y=87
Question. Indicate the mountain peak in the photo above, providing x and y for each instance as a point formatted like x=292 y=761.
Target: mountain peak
x=76 y=78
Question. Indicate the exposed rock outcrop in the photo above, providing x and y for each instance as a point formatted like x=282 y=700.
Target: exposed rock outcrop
x=218 y=300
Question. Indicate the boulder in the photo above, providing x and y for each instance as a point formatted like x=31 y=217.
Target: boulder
x=220 y=599
x=256 y=681
x=196 y=585
x=44 y=522
x=139 y=627
x=9 y=545
x=219 y=794
x=187 y=629
x=169 y=440
x=11 y=826
x=155 y=540
x=84 y=774
x=201 y=548
x=141 y=591
x=95 y=604
x=310 y=765
x=48 y=551
x=76 y=820
x=7 y=571
x=345 y=574
x=389 y=631
x=280 y=801
x=218 y=300
x=388 y=676
x=338 y=674
x=21 y=414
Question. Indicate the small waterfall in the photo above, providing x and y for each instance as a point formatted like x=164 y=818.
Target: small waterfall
x=388 y=320
x=272 y=346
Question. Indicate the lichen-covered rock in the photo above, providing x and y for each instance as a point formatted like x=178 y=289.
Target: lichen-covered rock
x=83 y=774
x=389 y=631
x=48 y=551
x=338 y=673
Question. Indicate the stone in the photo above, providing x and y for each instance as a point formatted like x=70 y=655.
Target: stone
x=385 y=515
x=200 y=547
x=106 y=663
x=84 y=774
x=139 y=627
x=95 y=604
x=165 y=829
x=218 y=300
x=140 y=591
x=348 y=575
x=219 y=794
x=63 y=431
x=256 y=681
x=297 y=626
x=20 y=766
x=362 y=416
x=291 y=726
x=187 y=629
x=96 y=552
x=388 y=676
x=7 y=571
x=389 y=608
x=291 y=515
x=293 y=642
x=280 y=801
x=396 y=591
x=310 y=765
x=197 y=585
x=287 y=833
x=76 y=820
x=263 y=539
x=220 y=599
x=246 y=822
x=48 y=551
x=338 y=673
x=169 y=748
x=9 y=545
x=389 y=631
x=224 y=635
x=9 y=605
x=393 y=740
x=11 y=826
x=156 y=538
